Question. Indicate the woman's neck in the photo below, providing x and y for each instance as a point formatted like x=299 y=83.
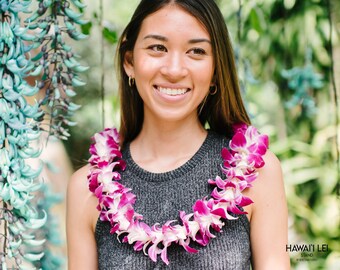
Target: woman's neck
x=163 y=146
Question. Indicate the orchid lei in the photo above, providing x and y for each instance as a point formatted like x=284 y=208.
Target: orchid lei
x=116 y=202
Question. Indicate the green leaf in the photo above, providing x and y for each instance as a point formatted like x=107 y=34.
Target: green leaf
x=255 y=20
x=303 y=175
x=110 y=35
x=86 y=28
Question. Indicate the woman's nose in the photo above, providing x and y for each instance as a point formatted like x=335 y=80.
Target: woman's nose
x=174 y=66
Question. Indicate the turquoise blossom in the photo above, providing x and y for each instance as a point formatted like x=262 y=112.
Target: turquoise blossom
x=59 y=67
x=19 y=129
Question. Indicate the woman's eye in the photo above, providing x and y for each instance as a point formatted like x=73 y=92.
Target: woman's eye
x=157 y=48
x=198 y=51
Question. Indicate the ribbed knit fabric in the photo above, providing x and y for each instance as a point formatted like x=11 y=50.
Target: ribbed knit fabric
x=160 y=197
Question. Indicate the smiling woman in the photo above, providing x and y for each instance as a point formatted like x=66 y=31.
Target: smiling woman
x=167 y=64
x=177 y=77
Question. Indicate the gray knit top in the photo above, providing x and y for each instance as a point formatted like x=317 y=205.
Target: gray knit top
x=160 y=197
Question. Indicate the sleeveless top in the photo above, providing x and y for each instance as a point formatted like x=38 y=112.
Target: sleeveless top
x=160 y=197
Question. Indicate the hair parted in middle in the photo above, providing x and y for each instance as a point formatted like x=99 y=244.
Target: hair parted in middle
x=221 y=110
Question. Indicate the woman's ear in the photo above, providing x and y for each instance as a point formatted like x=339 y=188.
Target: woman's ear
x=128 y=64
x=213 y=79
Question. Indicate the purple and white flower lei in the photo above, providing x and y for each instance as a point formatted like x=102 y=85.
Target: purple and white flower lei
x=116 y=202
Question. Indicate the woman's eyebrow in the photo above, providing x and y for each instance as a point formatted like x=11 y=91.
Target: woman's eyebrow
x=163 y=38
x=158 y=37
x=198 y=40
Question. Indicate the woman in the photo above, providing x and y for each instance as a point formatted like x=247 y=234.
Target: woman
x=177 y=77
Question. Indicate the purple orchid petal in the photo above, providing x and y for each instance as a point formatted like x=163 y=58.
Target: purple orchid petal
x=256 y=160
x=185 y=245
x=201 y=208
x=219 y=212
x=226 y=155
x=245 y=201
x=238 y=141
x=164 y=255
x=203 y=240
x=235 y=210
x=220 y=183
x=138 y=246
x=114 y=228
x=239 y=127
x=153 y=251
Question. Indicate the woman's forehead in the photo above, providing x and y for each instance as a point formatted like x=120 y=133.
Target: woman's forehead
x=170 y=20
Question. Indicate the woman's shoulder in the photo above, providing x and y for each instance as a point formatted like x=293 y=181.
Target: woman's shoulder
x=78 y=182
x=270 y=175
x=80 y=200
x=268 y=188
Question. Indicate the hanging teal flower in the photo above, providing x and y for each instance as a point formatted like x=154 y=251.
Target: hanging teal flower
x=50 y=231
x=54 y=21
x=23 y=209
x=303 y=80
x=19 y=127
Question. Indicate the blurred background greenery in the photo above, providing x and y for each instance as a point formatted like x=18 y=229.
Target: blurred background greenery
x=288 y=55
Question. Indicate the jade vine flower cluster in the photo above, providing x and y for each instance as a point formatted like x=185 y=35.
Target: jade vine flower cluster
x=18 y=130
x=303 y=81
x=22 y=218
x=116 y=202
x=53 y=22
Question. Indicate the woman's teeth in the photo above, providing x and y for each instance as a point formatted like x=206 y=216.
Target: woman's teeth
x=172 y=92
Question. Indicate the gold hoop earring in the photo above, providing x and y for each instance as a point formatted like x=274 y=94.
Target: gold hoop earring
x=213 y=90
x=131 y=81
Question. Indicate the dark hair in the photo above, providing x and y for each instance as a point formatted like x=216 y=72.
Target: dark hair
x=221 y=110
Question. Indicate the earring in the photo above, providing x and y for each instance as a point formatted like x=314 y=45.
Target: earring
x=131 y=81
x=213 y=90
x=202 y=104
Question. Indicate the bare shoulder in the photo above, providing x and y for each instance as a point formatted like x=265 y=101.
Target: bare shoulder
x=270 y=180
x=78 y=181
x=270 y=174
x=268 y=185
x=80 y=201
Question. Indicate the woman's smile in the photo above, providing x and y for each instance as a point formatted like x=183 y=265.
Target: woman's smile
x=171 y=94
x=172 y=91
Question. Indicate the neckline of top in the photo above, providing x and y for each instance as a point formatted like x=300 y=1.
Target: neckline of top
x=172 y=174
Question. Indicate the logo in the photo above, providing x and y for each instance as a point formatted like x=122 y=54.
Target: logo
x=307 y=252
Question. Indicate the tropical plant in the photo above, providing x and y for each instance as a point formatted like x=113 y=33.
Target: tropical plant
x=18 y=128
x=290 y=99
x=55 y=20
x=22 y=215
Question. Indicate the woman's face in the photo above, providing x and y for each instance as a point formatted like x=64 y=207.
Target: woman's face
x=172 y=63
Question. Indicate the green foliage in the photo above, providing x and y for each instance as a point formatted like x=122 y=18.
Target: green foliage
x=110 y=35
x=22 y=216
x=291 y=62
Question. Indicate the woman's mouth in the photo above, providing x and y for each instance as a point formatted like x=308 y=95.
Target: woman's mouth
x=172 y=91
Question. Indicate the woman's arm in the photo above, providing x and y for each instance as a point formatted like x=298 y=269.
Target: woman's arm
x=80 y=223
x=269 y=218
